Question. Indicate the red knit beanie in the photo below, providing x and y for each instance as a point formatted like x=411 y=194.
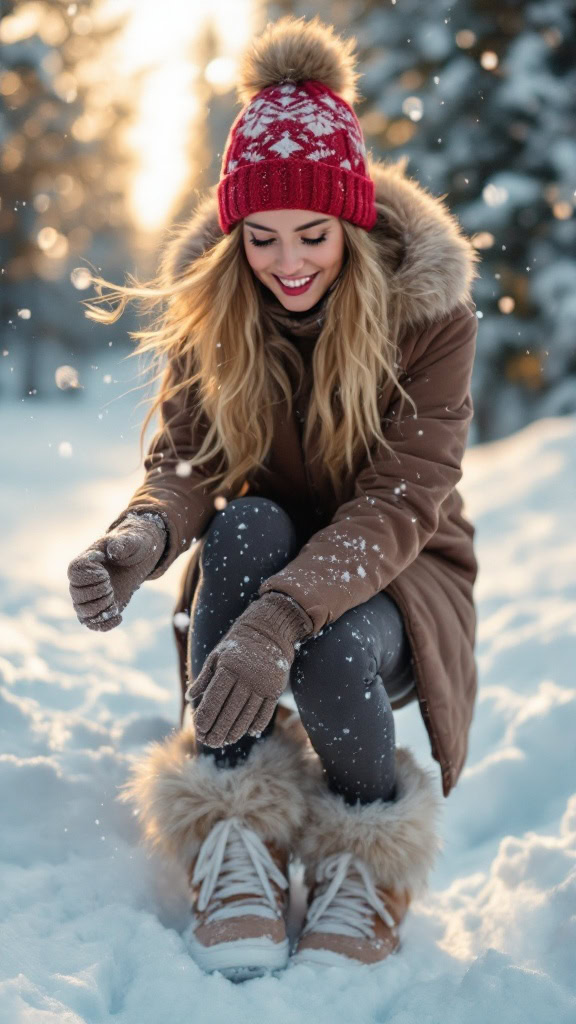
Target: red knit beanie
x=297 y=143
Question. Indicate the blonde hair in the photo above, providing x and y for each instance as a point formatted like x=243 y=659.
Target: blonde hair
x=232 y=362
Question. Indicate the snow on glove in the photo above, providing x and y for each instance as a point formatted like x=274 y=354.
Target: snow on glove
x=244 y=675
x=105 y=576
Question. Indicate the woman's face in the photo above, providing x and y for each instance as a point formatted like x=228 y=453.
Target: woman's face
x=297 y=254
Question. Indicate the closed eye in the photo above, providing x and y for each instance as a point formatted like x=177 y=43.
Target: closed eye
x=306 y=241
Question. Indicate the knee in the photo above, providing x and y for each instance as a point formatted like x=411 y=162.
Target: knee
x=338 y=664
x=250 y=521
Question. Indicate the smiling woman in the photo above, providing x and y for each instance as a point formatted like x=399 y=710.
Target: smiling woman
x=339 y=562
x=295 y=254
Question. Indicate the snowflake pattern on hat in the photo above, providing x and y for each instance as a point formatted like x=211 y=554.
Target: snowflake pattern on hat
x=286 y=120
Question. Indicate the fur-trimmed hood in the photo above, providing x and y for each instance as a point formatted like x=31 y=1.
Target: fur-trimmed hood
x=431 y=264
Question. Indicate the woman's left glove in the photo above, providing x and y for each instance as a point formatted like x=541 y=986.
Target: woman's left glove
x=245 y=674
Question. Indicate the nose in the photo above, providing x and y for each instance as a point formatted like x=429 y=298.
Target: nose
x=289 y=262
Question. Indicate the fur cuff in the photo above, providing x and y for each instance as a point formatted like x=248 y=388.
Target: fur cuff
x=180 y=796
x=398 y=839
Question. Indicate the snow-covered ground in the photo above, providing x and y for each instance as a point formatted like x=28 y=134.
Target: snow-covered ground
x=90 y=925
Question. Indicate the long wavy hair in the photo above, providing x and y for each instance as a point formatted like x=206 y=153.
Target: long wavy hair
x=233 y=363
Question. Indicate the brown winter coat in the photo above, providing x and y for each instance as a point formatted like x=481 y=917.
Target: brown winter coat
x=401 y=528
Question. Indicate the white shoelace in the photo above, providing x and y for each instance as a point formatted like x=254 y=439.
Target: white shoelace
x=233 y=860
x=345 y=904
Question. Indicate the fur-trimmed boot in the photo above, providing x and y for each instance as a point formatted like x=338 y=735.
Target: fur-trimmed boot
x=364 y=863
x=232 y=830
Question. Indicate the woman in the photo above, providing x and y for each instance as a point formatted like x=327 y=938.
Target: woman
x=319 y=338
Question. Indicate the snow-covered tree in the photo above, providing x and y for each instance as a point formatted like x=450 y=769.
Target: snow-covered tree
x=480 y=95
x=62 y=180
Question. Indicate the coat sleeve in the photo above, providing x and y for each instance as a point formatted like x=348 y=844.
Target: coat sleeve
x=395 y=506
x=182 y=501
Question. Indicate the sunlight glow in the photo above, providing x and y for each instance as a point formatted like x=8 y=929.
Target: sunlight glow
x=161 y=50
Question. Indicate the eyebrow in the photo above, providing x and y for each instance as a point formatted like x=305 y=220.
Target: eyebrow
x=302 y=227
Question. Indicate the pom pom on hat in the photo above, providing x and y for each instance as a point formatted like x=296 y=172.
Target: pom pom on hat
x=295 y=50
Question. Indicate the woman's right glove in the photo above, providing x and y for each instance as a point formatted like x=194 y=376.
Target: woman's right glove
x=106 y=575
x=245 y=674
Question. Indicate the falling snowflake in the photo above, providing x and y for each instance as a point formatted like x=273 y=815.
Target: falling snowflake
x=181 y=621
x=66 y=377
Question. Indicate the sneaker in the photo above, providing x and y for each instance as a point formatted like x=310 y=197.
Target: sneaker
x=349 y=920
x=240 y=893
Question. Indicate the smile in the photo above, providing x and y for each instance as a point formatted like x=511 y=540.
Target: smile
x=295 y=285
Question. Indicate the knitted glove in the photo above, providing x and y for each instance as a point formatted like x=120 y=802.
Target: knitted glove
x=245 y=674
x=104 y=577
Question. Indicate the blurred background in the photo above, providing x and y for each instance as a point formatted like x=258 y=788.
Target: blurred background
x=113 y=118
x=114 y=115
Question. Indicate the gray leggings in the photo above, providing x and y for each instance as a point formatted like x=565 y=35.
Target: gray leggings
x=342 y=678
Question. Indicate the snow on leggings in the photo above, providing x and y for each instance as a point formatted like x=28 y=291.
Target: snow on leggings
x=341 y=679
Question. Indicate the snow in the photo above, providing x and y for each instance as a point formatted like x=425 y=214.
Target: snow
x=91 y=926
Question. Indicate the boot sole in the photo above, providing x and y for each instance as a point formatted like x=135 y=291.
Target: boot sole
x=329 y=958
x=240 y=960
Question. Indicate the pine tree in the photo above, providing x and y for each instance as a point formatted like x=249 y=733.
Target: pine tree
x=480 y=96
x=62 y=179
